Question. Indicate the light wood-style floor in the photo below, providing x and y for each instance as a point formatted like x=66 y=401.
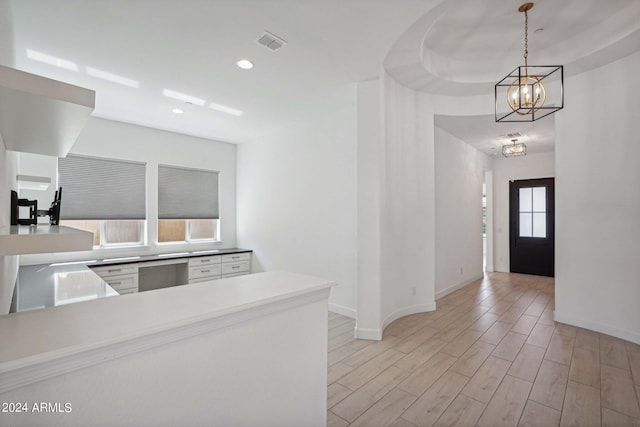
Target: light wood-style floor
x=490 y=355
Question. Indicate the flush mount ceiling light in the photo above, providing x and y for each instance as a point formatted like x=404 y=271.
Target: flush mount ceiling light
x=245 y=64
x=513 y=149
x=522 y=96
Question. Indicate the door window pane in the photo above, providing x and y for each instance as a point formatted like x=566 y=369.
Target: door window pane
x=539 y=199
x=533 y=207
x=539 y=224
x=525 y=200
x=525 y=225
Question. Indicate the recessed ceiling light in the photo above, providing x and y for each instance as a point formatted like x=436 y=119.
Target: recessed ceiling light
x=245 y=64
x=183 y=97
x=51 y=60
x=225 y=109
x=114 y=78
x=178 y=111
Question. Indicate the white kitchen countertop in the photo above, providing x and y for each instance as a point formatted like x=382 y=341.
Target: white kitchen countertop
x=43 y=335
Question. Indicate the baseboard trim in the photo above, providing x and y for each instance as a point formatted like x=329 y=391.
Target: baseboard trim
x=625 y=334
x=454 y=288
x=368 y=334
x=340 y=309
x=413 y=309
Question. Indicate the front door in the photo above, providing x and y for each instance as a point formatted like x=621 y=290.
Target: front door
x=531 y=230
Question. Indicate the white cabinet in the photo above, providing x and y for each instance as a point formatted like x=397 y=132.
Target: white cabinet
x=40 y=115
x=219 y=266
x=148 y=275
x=122 y=277
x=204 y=268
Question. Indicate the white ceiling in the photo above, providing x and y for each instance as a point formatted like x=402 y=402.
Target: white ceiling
x=463 y=47
x=448 y=47
x=192 y=46
x=487 y=136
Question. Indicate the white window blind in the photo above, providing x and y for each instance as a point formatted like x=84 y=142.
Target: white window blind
x=100 y=188
x=185 y=193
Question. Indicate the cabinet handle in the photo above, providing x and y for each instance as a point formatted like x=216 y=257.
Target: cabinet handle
x=204 y=260
x=235 y=257
x=115 y=283
x=114 y=270
x=204 y=271
x=236 y=266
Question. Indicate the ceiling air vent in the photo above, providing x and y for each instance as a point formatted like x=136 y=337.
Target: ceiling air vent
x=270 y=41
x=512 y=135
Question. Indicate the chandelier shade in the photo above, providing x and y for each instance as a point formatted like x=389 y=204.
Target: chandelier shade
x=529 y=92
x=514 y=149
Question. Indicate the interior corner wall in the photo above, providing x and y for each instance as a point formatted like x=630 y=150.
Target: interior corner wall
x=459 y=174
x=8 y=264
x=297 y=200
x=598 y=201
x=370 y=179
x=407 y=237
x=531 y=166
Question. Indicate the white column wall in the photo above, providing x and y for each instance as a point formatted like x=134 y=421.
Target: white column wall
x=598 y=201
x=370 y=179
x=297 y=200
x=459 y=173
x=531 y=166
x=407 y=237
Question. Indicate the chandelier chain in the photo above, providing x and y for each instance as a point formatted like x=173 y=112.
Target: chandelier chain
x=526 y=37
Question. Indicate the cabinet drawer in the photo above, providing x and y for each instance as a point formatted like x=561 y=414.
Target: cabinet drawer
x=203 y=279
x=204 y=260
x=123 y=283
x=204 y=271
x=127 y=291
x=245 y=256
x=115 y=270
x=235 y=267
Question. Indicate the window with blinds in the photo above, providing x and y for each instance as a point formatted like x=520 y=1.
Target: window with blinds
x=104 y=196
x=188 y=204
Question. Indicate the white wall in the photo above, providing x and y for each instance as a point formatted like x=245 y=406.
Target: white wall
x=505 y=169
x=407 y=238
x=297 y=200
x=459 y=173
x=370 y=180
x=598 y=201
x=8 y=264
x=106 y=138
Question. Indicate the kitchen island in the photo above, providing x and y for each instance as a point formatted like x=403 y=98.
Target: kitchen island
x=246 y=350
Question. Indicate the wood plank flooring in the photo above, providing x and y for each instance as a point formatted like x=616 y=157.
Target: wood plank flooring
x=490 y=355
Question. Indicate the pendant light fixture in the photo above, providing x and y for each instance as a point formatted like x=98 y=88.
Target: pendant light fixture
x=514 y=149
x=529 y=92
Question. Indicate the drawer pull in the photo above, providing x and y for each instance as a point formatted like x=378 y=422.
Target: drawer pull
x=115 y=283
x=114 y=270
x=236 y=266
x=235 y=257
x=204 y=260
x=204 y=271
